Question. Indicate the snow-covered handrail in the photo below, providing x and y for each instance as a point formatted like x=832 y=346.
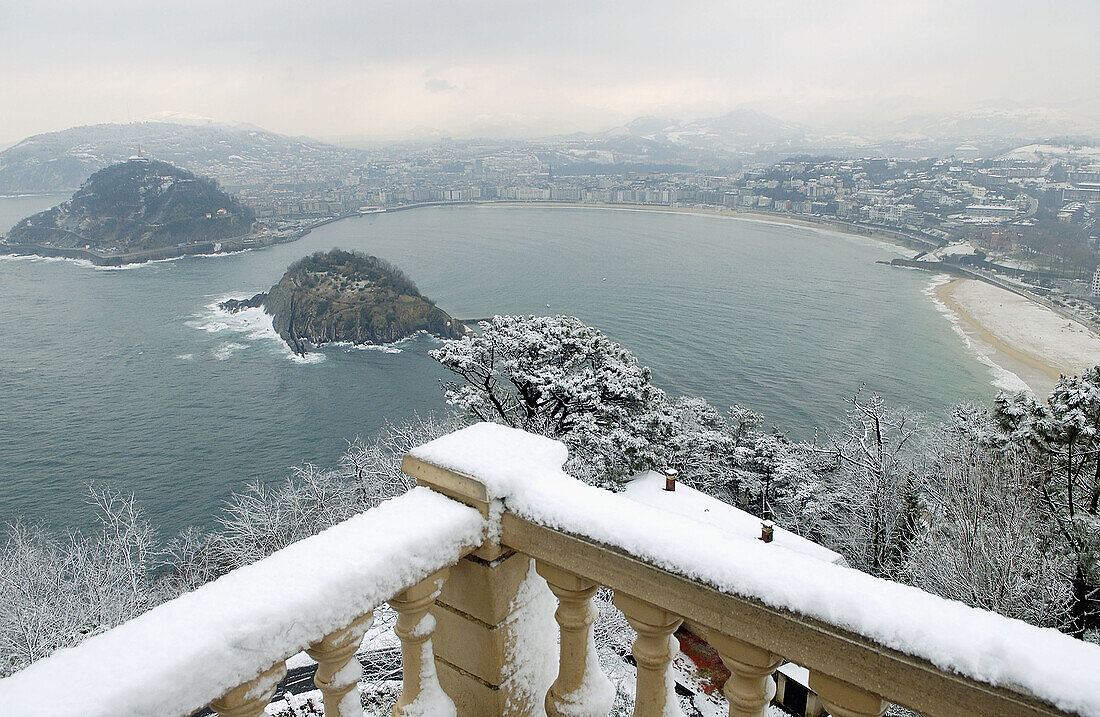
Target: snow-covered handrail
x=221 y=641
x=864 y=639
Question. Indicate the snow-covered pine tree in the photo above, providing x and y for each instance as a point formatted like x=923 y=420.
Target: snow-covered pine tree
x=556 y=376
x=1062 y=437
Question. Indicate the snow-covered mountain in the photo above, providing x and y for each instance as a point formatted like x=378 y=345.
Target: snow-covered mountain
x=1004 y=122
x=739 y=130
x=234 y=155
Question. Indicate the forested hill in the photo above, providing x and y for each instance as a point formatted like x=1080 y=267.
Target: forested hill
x=343 y=296
x=138 y=205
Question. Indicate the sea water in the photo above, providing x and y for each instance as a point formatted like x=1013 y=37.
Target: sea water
x=133 y=378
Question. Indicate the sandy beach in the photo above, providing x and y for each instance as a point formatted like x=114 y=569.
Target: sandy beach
x=1017 y=337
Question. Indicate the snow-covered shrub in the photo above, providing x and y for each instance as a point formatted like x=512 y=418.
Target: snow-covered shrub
x=984 y=536
x=57 y=591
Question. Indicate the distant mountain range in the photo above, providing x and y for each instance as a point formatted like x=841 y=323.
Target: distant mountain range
x=62 y=161
x=244 y=155
x=738 y=130
x=994 y=129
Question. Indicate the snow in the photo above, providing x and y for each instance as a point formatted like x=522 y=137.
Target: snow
x=649 y=489
x=432 y=701
x=796 y=673
x=953 y=250
x=531 y=657
x=160 y=663
x=291 y=705
x=672 y=701
x=1002 y=377
x=1064 y=345
x=1039 y=152
x=525 y=472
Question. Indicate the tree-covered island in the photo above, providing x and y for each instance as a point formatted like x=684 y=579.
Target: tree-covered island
x=134 y=211
x=343 y=296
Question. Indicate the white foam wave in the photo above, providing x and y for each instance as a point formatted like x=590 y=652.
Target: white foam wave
x=1002 y=377
x=186 y=357
x=35 y=259
x=380 y=348
x=312 y=357
x=85 y=263
x=135 y=265
x=227 y=349
x=252 y=324
x=394 y=347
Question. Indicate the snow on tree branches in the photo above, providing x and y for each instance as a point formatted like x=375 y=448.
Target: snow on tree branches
x=556 y=376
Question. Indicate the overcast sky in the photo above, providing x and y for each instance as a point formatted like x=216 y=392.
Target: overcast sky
x=469 y=66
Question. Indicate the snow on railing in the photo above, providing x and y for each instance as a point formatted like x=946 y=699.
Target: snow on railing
x=476 y=623
x=219 y=643
x=996 y=664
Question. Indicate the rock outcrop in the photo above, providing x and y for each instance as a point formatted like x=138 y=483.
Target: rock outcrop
x=342 y=296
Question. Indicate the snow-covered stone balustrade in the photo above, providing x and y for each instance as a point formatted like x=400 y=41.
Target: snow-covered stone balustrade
x=865 y=641
x=462 y=559
x=225 y=645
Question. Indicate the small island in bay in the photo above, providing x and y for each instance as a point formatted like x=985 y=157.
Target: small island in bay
x=343 y=296
x=135 y=211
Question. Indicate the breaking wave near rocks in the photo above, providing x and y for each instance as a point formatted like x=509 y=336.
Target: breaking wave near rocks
x=254 y=325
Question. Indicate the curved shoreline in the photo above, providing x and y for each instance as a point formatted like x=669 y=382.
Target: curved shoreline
x=138 y=258
x=838 y=227
x=1012 y=357
x=1037 y=359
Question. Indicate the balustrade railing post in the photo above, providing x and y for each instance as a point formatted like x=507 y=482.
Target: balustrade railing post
x=653 y=652
x=750 y=687
x=414 y=628
x=250 y=699
x=577 y=667
x=843 y=699
x=476 y=629
x=334 y=652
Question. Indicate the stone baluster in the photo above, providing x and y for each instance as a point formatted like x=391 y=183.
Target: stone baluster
x=750 y=687
x=843 y=699
x=653 y=651
x=250 y=699
x=414 y=628
x=335 y=652
x=575 y=616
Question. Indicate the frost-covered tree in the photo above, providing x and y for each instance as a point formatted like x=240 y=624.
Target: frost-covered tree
x=866 y=501
x=57 y=591
x=375 y=466
x=703 y=449
x=1062 y=438
x=984 y=536
x=556 y=376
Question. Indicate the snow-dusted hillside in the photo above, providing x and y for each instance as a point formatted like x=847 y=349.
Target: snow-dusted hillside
x=234 y=155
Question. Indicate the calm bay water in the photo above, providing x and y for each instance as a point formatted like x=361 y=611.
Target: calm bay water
x=130 y=377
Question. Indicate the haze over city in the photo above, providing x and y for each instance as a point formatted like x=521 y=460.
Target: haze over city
x=498 y=69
